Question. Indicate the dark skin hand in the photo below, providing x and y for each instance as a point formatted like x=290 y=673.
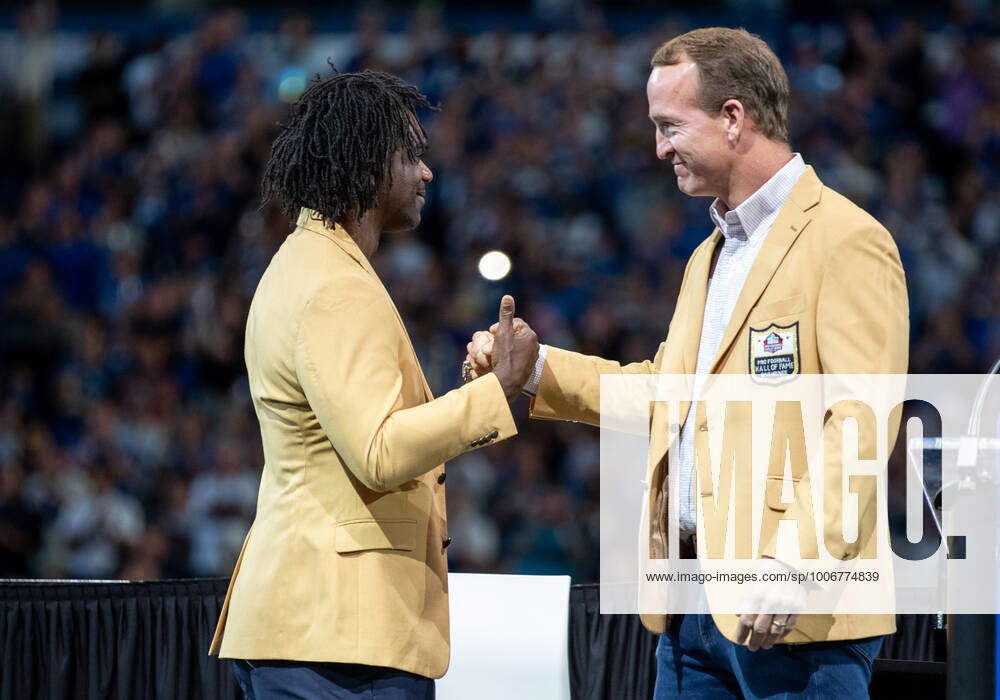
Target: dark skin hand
x=515 y=350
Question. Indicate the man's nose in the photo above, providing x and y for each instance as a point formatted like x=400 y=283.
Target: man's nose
x=664 y=149
x=425 y=173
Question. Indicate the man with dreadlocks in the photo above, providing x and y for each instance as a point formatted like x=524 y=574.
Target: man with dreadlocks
x=341 y=588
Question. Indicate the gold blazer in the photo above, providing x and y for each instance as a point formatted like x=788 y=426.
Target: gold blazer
x=827 y=269
x=346 y=559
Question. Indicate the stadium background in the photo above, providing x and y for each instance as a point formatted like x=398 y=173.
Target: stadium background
x=131 y=240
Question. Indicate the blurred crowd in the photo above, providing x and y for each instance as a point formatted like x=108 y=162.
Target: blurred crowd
x=131 y=241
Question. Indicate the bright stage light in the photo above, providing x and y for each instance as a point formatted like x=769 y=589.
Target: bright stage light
x=494 y=265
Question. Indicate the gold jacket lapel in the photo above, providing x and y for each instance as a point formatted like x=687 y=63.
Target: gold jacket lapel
x=792 y=219
x=695 y=301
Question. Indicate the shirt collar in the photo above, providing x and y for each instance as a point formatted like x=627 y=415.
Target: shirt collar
x=745 y=220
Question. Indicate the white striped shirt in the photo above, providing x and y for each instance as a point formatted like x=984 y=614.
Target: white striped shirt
x=743 y=230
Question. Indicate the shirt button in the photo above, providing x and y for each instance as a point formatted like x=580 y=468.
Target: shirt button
x=703 y=428
x=442 y=477
x=445 y=542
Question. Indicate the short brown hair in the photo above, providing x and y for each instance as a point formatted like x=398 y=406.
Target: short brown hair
x=734 y=64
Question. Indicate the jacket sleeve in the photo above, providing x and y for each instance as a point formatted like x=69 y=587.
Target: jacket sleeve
x=571 y=386
x=347 y=358
x=862 y=327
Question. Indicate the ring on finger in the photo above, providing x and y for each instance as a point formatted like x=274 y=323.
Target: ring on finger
x=466 y=371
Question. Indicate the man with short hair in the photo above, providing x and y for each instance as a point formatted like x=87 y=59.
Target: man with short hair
x=340 y=590
x=790 y=255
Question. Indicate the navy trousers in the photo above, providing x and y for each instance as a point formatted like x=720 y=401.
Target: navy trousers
x=304 y=680
x=695 y=662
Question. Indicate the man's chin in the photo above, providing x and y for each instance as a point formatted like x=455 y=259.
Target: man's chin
x=687 y=185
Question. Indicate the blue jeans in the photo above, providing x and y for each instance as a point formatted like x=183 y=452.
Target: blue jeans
x=694 y=662
x=305 y=680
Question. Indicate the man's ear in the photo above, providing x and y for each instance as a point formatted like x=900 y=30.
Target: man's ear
x=734 y=117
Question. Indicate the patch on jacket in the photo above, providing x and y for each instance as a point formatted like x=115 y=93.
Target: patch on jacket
x=774 y=351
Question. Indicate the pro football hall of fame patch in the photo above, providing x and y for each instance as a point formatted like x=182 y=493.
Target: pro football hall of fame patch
x=774 y=351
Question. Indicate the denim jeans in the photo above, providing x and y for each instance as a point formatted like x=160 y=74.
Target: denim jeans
x=304 y=680
x=694 y=662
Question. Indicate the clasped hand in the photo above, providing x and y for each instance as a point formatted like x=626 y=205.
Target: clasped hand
x=509 y=349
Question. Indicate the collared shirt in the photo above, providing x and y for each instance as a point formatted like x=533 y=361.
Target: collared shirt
x=743 y=232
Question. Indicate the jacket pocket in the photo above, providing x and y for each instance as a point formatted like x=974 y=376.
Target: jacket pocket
x=777 y=309
x=773 y=487
x=368 y=534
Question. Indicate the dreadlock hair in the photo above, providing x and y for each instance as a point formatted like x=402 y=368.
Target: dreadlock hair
x=333 y=155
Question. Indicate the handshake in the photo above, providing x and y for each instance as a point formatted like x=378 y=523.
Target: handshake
x=509 y=349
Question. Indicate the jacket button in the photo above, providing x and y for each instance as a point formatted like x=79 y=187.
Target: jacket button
x=442 y=477
x=494 y=434
x=445 y=542
x=703 y=428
